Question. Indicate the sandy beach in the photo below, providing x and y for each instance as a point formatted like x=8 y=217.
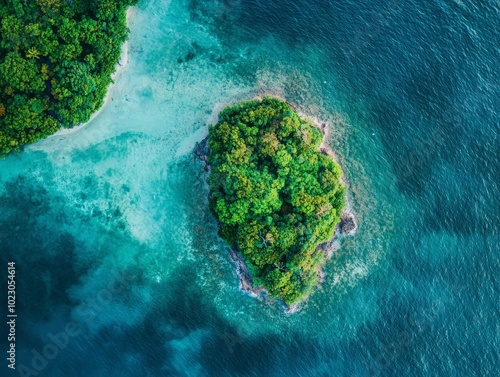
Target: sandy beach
x=122 y=63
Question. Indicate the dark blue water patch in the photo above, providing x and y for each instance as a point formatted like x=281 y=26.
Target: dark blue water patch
x=32 y=240
x=29 y=198
x=48 y=258
x=430 y=89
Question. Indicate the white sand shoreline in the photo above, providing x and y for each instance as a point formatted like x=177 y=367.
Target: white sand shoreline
x=122 y=63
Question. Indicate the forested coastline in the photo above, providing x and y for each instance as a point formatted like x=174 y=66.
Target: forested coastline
x=56 y=61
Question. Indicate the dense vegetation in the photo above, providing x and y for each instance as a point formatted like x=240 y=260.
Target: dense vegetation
x=275 y=196
x=56 y=61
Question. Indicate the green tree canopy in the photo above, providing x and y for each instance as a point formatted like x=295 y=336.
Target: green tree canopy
x=56 y=61
x=275 y=196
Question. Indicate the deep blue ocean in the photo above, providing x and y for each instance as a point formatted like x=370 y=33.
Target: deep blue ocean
x=119 y=269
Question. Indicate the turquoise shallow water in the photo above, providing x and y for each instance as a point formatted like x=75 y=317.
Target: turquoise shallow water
x=109 y=226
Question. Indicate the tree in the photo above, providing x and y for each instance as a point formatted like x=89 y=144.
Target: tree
x=275 y=196
x=56 y=61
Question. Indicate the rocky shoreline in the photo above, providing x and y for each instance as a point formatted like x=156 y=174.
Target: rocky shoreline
x=346 y=227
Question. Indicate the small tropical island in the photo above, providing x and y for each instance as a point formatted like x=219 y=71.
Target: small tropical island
x=56 y=61
x=277 y=195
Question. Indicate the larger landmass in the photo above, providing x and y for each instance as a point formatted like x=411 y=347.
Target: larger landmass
x=276 y=197
x=56 y=61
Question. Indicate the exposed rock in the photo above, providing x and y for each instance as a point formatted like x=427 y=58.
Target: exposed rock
x=294 y=308
x=331 y=246
x=201 y=151
x=348 y=225
x=246 y=281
